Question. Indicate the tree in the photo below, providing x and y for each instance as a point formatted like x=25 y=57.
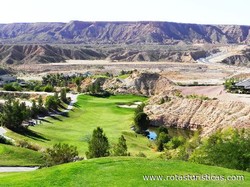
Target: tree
x=162 y=129
x=40 y=103
x=139 y=108
x=51 y=103
x=41 y=109
x=161 y=139
x=59 y=154
x=175 y=142
x=13 y=114
x=57 y=99
x=78 y=81
x=34 y=109
x=141 y=122
x=98 y=145
x=120 y=149
x=63 y=96
x=48 y=88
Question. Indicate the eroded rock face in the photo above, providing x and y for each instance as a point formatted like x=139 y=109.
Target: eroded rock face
x=145 y=83
x=209 y=115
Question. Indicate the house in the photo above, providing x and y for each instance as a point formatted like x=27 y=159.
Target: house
x=5 y=79
x=75 y=74
x=87 y=74
x=243 y=86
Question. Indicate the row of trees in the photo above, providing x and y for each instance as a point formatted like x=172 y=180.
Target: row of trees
x=61 y=80
x=13 y=113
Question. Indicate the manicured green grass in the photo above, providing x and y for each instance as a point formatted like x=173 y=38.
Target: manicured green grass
x=122 y=171
x=91 y=112
x=124 y=76
x=16 y=156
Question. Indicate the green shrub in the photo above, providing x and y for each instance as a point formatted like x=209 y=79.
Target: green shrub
x=48 y=88
x=26 y=144
x=194 y=96
x=9 y=87
x=229 y=148
x=178 y=94
x=175 y=142
x=59 y=154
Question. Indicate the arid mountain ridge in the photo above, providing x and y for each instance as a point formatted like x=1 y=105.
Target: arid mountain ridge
x=44 y=53
x=78 y=32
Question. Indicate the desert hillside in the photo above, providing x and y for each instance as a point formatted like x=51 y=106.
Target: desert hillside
x=44 y=53
x=77 y=32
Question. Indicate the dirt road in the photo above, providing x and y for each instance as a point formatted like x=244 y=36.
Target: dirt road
x=17 y=169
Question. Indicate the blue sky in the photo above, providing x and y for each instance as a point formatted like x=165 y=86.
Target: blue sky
x=185 y=11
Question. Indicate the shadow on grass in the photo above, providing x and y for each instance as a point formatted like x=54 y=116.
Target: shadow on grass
x=45 y=120
x=65 y=114
x=63 y=107
x=76 y=105
x=55 y=118
x=33 y=135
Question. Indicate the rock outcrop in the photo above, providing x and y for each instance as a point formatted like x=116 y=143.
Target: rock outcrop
x=144 y=83
x=209 y=115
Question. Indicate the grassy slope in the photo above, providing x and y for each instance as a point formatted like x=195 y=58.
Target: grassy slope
x=120 y=172
x=90 y=113
x=16 y=156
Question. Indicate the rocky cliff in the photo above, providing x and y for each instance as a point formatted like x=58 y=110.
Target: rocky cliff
x=209 y=115
x=76 y=32
x=144 y=83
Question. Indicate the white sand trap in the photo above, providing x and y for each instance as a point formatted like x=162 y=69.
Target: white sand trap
x=127 y=106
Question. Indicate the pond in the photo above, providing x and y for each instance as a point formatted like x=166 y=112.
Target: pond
x=151 y=135
x=186 y=133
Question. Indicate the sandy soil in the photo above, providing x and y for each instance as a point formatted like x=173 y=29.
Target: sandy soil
x=215 y=92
